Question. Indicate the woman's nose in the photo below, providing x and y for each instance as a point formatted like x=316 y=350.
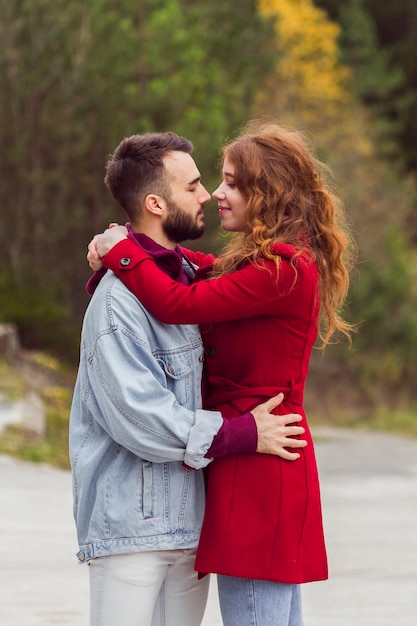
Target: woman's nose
x=219 y=194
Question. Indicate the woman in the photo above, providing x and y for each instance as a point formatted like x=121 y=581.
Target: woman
x=280 y=282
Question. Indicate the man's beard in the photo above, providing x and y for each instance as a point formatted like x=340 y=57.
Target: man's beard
x=179 y=225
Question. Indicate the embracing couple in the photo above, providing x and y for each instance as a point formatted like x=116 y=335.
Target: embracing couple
x=189 y=444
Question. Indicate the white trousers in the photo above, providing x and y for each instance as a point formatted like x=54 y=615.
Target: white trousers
x=157 y=588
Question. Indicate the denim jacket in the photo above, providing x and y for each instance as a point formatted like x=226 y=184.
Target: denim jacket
x=136 y=429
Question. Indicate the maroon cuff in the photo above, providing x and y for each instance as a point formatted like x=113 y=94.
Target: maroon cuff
x=238 y=434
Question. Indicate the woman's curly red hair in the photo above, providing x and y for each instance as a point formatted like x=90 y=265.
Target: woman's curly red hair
x=289 y=200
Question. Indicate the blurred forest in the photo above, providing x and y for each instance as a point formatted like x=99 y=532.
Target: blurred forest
x=76 y=77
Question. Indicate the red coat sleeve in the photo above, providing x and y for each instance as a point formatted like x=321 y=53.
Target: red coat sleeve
x=249 y=292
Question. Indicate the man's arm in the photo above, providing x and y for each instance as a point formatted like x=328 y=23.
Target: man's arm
x=258 y=431
x=154 y=426
x=129 y=399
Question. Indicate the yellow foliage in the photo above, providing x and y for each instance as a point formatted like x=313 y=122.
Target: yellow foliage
x=309 y=75
x=57 y=397
x=46 y=361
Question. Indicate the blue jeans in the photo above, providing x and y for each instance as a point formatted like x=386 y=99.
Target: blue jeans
x=246 y=602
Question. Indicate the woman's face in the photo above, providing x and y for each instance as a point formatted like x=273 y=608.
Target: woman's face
x=232 y=204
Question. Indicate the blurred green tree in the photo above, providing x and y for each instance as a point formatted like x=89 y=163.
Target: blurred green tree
x=76 y=78
x=379 y=39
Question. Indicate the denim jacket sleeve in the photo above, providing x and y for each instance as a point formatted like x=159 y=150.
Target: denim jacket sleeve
x=145 y=394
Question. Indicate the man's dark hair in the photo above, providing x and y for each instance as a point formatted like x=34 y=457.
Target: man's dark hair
x=136 y=168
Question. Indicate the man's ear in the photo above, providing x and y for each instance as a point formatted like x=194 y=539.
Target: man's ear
x=154 y=204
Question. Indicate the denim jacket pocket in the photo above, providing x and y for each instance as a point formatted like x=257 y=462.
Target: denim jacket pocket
x=176 y=364
x=177 y=367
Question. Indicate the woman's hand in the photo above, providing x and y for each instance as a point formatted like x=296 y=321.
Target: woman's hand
x=109 y=238
x=101 y=244
x=277 y=432
x=93 y=256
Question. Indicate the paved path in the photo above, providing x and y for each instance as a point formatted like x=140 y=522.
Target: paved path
x=369 y=488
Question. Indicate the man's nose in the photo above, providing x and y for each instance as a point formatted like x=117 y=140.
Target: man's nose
x=205 y=195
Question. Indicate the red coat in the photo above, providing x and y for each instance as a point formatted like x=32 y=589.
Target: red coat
x=263 y=514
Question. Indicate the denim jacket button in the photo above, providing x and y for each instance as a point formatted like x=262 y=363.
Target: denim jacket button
x=125 y=261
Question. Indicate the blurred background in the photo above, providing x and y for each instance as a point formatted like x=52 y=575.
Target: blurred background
x=76 y=77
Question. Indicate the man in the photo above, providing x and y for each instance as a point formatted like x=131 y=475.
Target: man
x=137 y=430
